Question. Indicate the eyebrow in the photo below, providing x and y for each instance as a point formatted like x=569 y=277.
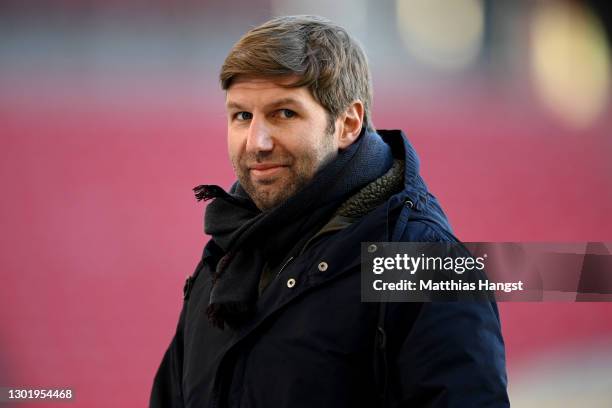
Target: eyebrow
x=276 y=104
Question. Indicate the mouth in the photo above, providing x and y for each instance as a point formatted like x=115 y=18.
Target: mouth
x=261 y=170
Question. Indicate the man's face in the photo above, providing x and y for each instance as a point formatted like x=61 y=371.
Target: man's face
x=277 y=138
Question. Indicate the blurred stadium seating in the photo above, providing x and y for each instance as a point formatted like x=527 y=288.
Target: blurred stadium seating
x=110 y=112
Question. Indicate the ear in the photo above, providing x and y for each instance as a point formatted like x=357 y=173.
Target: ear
x=350 y=124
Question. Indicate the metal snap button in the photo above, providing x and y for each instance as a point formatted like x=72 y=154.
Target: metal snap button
x=323 y=266
x=372 y=248
x=290 y=282
x=409 y=204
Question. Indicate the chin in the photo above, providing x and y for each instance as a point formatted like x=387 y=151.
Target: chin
x=268 y=200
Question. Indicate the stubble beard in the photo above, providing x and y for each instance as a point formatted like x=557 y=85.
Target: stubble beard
x=272 y=192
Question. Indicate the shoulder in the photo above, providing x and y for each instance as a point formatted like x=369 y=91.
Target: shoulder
x=416 y=216
x=427 y=231
x=422 y=227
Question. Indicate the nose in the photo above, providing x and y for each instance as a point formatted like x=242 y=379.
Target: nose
x=259 y=138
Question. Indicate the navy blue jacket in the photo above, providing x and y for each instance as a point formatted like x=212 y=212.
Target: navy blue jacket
x=313 y=343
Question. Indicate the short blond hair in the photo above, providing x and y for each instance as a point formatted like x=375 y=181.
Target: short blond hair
x=323 y=56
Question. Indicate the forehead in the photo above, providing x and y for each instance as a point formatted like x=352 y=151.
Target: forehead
x=255 y=90
x=246 y=80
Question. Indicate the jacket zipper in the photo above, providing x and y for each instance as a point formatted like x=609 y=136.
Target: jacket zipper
x=291 y=258
x=216 y=394
x=318 y=235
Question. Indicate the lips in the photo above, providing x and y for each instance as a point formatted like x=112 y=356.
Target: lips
x=264 y=170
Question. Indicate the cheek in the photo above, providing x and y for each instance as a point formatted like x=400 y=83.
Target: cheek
x=234 y=146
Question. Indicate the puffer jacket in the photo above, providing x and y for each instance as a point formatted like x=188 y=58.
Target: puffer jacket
x=311 y=341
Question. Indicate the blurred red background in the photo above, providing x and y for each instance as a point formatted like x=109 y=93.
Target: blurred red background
x=110 y=114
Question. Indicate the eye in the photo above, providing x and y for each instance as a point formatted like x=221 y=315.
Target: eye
x=286 y=113
x=241 y=116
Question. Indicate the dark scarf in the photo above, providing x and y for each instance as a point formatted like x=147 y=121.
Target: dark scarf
x=251 y=238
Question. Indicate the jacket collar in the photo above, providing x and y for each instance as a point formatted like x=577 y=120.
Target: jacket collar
x=415 y=189
x=402 y=149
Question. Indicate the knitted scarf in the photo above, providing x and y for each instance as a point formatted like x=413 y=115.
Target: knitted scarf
x=251 y=238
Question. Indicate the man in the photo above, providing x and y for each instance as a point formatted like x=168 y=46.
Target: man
x=272 y=315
